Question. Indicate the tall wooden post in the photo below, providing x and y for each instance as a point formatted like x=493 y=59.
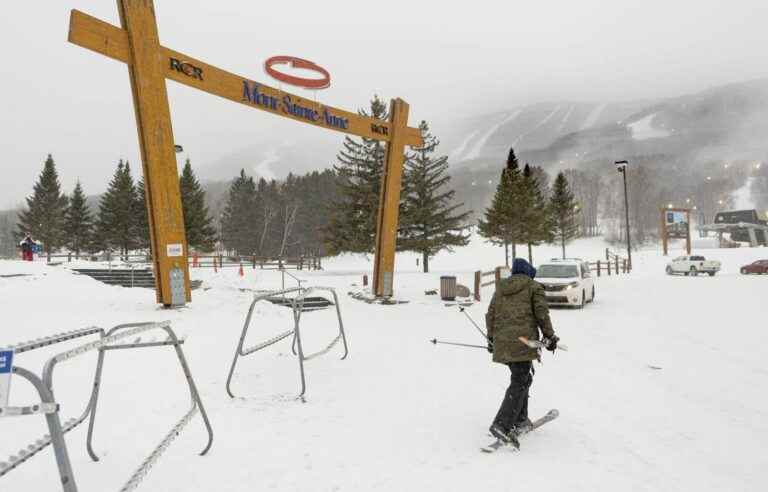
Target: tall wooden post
x=389 y=201
x=688 y=233
x=158 y=156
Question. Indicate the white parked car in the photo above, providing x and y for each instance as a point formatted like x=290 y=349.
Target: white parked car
x=693 y=265
x=567 y=282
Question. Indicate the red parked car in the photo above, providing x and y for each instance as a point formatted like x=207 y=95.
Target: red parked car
x=760 y=266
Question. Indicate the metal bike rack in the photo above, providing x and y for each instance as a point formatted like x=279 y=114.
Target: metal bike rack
x=49 y=407
x=297 y=304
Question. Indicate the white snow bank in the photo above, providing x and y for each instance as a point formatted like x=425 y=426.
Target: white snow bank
x=401 y=414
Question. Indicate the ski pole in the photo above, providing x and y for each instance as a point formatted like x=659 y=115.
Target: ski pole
x=461 y=308
x=436 y=341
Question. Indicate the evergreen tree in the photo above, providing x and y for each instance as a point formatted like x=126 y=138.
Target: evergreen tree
x=8 y=240
x=564 y=212
x=353 y=216
x=313 y=192
x=45 y=216
x=79 y=222
x=142 y=216
x=239 y=218
x=429 y=221
x=502 y=223
x=117 y=223
x=197 y=222
x=533 y=208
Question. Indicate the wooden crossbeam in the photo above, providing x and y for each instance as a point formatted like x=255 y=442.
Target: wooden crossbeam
x=137 y=45
x=106 y=39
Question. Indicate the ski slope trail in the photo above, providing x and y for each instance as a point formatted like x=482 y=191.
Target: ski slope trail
x=477 y=149
x=564 y=120
x=662 y=388
x=593 y=116
x=458 y=152
x=538 y=125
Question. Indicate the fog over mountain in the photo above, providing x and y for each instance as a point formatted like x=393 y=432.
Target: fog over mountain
x=726 y=122
x=553 y=78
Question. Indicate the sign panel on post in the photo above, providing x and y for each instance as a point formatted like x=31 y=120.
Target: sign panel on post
x=6 y=370
x=175 y=250
x=677 y=224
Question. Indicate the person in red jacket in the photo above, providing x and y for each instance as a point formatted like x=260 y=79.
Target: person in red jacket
x=27 y=246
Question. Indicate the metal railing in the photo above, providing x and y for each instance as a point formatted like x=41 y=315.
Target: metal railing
x=297 y=304
x=294 y=277
x=49 y=407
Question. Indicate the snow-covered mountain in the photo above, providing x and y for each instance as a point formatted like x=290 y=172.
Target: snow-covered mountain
x=727 y=122
x=529 y=127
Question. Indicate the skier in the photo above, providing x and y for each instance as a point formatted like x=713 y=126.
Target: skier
x=518 y=309
x=27 y=248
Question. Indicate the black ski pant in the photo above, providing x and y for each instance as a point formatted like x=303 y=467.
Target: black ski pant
x=514 y=407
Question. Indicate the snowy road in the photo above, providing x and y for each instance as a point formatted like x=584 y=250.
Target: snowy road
x=663 y=388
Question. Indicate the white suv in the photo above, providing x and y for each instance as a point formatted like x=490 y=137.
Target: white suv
x=567 y=282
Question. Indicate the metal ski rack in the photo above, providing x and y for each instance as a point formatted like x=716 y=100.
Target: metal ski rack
x=49 y=407
x=297 y=304
x=298 y=307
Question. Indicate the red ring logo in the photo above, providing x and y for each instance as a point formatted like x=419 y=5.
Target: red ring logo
x=298 y=81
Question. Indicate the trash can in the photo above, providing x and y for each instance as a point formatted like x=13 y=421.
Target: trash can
x=448 y=288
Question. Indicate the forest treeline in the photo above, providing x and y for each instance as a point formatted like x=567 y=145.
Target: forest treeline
x=335 y=211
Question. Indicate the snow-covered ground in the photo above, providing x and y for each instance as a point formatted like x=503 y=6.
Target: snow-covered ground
x=643 y=129
x=663 y=388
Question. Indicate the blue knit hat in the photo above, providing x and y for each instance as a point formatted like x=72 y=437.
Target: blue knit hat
x=522 y=267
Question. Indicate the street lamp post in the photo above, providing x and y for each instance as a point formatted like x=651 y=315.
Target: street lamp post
x=621 y=166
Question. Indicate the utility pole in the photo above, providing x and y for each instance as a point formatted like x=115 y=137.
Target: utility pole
x=621 y=166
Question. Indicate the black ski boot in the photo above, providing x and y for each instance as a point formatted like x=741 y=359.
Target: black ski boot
x=523 y=427
x=503 y=435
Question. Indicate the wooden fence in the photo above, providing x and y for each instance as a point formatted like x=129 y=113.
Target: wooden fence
x=203 y=261
x=260 y=262
x=612 y=265
x=480 y=282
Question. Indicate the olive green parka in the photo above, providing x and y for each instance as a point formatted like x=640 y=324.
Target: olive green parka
x=518 y=308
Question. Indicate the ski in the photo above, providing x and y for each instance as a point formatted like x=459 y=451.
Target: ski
x=498 y=443
x=540 y=344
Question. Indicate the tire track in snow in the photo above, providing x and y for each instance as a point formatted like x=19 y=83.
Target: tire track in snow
x=478 y=147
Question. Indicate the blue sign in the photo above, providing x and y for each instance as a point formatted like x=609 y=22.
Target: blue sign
x=6 y=361
x=6 y=368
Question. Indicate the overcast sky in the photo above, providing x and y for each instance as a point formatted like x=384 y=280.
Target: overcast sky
x=447 y=59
